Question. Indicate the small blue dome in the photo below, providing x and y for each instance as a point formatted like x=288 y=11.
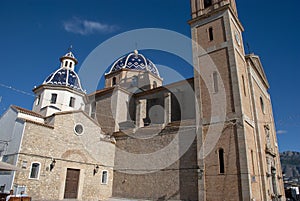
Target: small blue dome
x=134 y=61
x=64 y=77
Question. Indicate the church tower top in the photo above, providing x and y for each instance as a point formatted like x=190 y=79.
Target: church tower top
x=206 y=7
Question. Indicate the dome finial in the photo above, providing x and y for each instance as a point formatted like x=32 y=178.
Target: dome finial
x=136 y=51
x=70 y=48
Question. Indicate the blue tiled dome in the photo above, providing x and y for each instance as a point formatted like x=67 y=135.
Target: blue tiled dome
x=134 y=61
x=64 y=77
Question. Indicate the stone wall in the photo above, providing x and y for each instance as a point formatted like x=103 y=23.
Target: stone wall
x=124 y=78
x=182 y=102
x=104 y=113
x=82 y=152
x=221 y=186
x=157 y=164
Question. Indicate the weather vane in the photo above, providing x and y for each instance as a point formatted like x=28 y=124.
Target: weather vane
x=70 y=48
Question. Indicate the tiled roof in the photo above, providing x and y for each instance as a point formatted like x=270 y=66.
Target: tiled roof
x=101 y=91
x=25 y=111
x=134 y=61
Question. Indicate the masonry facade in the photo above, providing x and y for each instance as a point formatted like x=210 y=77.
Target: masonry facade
x=247 y=141
x=62 y=152
x=211 y=137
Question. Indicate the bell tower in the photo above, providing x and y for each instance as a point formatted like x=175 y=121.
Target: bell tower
x=202 y=7
x=230 y=88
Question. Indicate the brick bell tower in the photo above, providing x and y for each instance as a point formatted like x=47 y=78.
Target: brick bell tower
x=238 y=155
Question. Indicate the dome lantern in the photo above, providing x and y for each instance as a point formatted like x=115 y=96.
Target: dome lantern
x=68 y=61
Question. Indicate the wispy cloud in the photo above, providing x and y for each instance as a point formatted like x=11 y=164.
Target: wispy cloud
x=281 y=132
x=86 y=27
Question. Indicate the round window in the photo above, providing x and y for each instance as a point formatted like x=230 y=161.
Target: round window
x=78 y=129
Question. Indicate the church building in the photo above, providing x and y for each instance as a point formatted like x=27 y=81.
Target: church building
x=208 y=138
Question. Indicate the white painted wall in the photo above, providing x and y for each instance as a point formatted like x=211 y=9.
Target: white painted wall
x=62 y=102
x=11 y=132
x=121 y=106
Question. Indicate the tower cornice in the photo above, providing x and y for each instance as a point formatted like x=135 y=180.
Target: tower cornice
x=214 y=12
x=61 y=87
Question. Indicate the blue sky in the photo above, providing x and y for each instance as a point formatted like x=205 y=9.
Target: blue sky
x=34 y=34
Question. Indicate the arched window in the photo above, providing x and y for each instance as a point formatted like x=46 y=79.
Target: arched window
x=215 y=82
x=70 y=65
x=66 y=64
x=262 y=104
x=38 y=99
x=34 y=171
x=221 y=161
x=72 y=102
x=211 y=33
x=154 y=84
x=104 y=178
x=114 y=81
x=207 y=3
x=252 y=160
x=244 y=87
x=53 y=98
